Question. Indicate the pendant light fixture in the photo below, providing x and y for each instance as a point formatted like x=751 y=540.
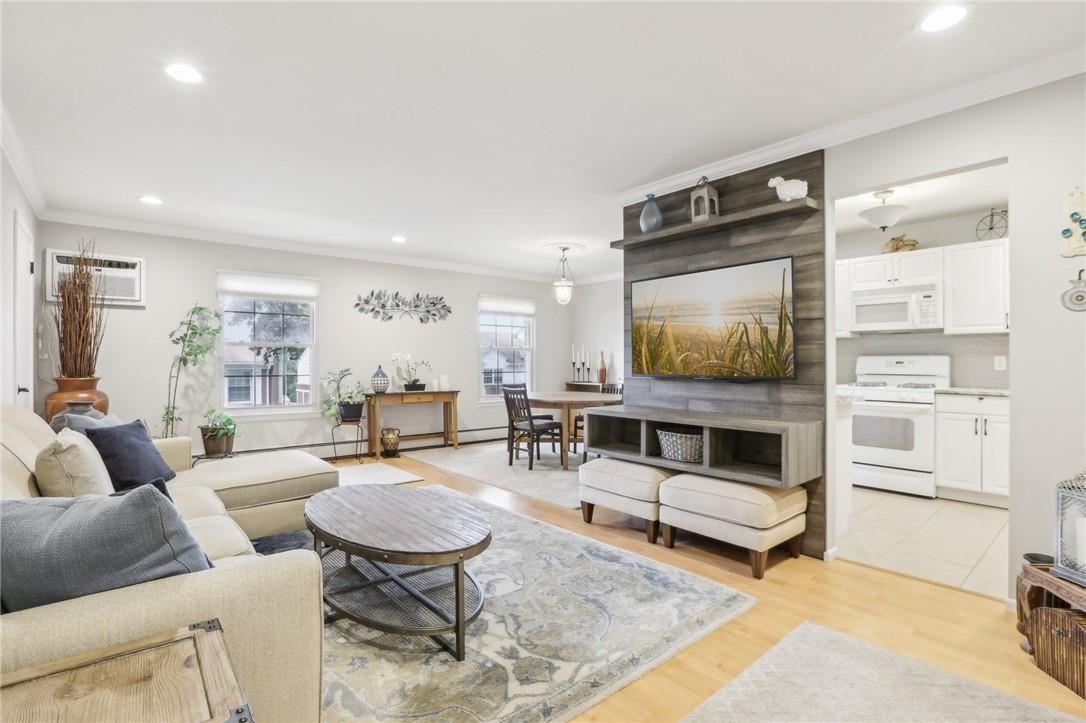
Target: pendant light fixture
x=884 y=215
x=563 y=285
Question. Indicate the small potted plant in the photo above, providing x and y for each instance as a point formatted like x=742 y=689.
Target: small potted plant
x=407 y=371
x=345 y=401
x=218 y=433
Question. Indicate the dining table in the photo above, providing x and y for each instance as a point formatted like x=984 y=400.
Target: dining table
x=568 y=405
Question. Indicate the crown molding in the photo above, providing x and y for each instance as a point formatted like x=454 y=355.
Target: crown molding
x=1049 y=70
x=600 y=278
x=76 y=218
x=20 y=165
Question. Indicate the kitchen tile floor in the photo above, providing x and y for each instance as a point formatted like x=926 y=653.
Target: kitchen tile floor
x=942 y=540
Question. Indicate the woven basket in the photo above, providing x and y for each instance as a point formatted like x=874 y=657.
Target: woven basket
x=680 y=445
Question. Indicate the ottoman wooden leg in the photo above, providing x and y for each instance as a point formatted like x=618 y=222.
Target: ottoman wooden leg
x=669 y=535
x=652 y=530
x=586 y=511
x=795 y=545
x=758 y=561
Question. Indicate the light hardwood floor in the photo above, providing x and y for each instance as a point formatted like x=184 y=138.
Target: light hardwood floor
x=958 y=631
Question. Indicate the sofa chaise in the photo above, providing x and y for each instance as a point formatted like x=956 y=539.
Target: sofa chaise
x=270 y=607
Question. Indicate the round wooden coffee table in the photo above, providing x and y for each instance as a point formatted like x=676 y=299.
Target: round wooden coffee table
x=393 y=559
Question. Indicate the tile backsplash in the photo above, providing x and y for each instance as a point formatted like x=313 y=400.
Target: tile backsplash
x=970 y=354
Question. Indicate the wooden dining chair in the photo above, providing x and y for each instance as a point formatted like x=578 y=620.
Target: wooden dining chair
x=524 y=425
x=509 y=430
x=578 y=422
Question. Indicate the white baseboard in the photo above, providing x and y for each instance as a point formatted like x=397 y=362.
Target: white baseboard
x=830 y=553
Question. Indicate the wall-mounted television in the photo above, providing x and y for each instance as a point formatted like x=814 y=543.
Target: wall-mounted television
x=731 y=323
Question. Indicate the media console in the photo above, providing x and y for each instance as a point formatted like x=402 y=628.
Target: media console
x=760 y=449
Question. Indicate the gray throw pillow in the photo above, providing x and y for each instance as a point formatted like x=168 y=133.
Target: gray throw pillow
x=54 y=548
x=81 y=422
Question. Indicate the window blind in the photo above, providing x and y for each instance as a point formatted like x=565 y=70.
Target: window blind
x=506 y=305
x=267 y=285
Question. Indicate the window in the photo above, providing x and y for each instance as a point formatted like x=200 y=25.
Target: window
x=268 y=346
x=506 y=338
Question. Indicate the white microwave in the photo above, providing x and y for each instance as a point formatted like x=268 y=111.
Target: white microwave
x=903 y=309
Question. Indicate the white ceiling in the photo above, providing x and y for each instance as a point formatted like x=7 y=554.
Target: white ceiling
x=931 y=198
x=481 y=132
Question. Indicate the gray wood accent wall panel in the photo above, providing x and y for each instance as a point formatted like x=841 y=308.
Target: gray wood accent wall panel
x=801 y=236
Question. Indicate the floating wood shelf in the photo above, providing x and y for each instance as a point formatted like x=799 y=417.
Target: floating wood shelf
x=735 y=218
x=776 y=451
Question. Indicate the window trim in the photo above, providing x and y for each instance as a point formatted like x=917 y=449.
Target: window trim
x=294 y=410
x=485 y=398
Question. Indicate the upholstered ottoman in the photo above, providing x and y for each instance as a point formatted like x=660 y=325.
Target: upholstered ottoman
x=757 y=518
x=624 y=486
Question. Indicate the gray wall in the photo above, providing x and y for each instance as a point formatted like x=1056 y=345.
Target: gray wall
x=1042 y=134
x=930 y=233
x=597 y=323
x=136 y=353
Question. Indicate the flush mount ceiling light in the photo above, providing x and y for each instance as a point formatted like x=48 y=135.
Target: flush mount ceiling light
x=151 y=200
x=184 y=73
x=943 y=17
x=399 y=239
x=884 y=216
x=563 y=285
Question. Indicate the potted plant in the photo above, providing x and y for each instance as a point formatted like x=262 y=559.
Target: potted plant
x=218 y=433
x=196 y=335
x=407 y=371
x=80 y=319
x=345 y=401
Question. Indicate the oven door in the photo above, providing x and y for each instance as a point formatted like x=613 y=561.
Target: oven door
x=894 y=434
x=882 y=312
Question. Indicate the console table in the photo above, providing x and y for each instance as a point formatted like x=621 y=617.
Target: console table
x=775 y=450
x=447 y=400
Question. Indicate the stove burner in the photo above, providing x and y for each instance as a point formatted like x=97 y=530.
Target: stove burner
x=916 y=385
x=869 y=384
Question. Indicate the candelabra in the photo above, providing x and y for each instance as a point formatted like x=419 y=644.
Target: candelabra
x=574 y=365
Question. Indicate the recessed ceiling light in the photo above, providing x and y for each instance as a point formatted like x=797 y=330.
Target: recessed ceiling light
x=184 y=72
x=399 y=239
x=942 y=18
x=151 y=200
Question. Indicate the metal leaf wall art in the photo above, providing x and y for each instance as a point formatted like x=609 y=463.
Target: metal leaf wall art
x=386 y=306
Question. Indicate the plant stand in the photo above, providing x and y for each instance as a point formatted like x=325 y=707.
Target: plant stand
x=357 y=424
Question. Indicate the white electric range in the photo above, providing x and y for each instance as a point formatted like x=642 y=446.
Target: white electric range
x=893 y=421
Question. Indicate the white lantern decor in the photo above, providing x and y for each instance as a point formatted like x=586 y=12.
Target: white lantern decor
x=563 y=285
x=1071 y=529
x=704 y=201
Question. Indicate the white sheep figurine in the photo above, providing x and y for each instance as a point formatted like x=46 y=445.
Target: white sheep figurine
x=792 y=190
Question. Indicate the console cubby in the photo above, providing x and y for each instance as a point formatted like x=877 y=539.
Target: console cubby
x=769 y=451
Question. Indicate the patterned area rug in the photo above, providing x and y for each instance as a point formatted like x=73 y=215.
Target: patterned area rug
x=567 y=621
x=489 y=463
x=818 y=674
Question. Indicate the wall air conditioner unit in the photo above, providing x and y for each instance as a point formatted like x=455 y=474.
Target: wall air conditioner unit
x=123 y=278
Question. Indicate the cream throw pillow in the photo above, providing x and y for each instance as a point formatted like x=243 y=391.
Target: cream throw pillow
x=70 y=467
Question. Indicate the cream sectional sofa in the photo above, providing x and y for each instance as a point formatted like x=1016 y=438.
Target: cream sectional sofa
x=270 y=607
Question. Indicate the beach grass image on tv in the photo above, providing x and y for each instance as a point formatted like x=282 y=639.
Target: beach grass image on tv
x=735 y=322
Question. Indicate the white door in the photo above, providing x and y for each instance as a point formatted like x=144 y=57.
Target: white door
x=871 y=272
x=916 y=268
x=977 y=290
x=842 y=299
x=24 y=316
x=996 y=432
x=958 y=450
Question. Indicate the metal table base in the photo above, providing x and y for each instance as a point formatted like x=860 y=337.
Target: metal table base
x=402 y=599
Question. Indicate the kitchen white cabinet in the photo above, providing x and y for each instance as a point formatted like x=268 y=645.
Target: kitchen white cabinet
x=972 y=443
x=905 y=268
x=976 y=298
x=996 y=455
x=958 y=451
x=842 y=299
x=871 y=272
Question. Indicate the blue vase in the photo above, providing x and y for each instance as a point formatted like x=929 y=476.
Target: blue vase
x=651 y=218
x=379 y=381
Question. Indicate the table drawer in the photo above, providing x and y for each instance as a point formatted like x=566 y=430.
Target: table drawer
x=417 y=397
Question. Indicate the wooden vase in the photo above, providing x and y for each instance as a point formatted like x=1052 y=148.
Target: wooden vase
x=602 y=372
x=75 y=389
